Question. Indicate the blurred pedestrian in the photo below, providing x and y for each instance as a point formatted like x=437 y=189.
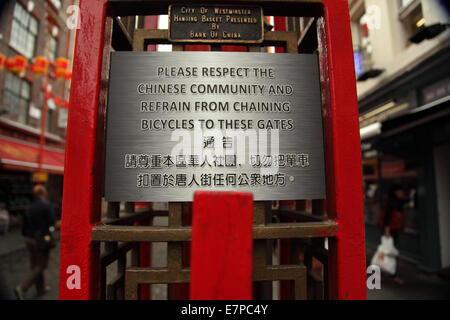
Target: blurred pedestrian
x=37 y=228
x=391 y=219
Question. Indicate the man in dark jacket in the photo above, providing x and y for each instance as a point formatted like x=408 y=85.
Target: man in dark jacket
x=36 y=223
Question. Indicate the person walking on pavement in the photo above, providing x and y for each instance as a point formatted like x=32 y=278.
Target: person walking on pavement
x=391 y=219
x=37 y=229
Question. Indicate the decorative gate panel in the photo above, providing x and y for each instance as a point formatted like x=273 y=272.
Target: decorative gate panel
x=320 y=243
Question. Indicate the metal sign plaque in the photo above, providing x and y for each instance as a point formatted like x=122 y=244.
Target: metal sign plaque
x=218 y=24
x=178 y=122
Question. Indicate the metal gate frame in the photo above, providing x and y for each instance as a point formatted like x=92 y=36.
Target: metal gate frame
x=83 y=179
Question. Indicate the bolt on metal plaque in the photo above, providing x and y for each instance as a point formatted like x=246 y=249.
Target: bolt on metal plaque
x=178 y=122
x=215 y=23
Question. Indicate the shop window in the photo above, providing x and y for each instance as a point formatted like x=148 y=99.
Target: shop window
x=51 y=109
x=15 y=192
x=394 y=170
x=362 y=45
x=24 y=31
x=52 y=49
x=16 y=98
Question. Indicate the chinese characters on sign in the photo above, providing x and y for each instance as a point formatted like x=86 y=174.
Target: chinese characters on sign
x=185 y=121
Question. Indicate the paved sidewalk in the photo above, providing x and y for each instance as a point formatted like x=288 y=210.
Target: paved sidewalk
x=11 y=242
x=418 y=285
x=14 y=266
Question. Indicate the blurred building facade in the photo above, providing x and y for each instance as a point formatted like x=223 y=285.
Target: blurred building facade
x=32 y=28
x=404 y=103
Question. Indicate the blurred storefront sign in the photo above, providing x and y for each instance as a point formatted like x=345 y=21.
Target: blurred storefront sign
x=437 y=90
x=34 y=112
x=51 y=104
x=384 y=112
x=15 y=155
x=40 y=177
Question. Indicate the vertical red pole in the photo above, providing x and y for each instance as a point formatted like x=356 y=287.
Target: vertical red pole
x=83 y=173
x=151 y=22
x=221 y=249
x=234 y=48
x=279 y=25
x=197 y=47
x=343 y=154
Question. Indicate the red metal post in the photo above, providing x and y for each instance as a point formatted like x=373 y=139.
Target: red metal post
x=83 y=173
x=343 y=153
x=221 y=250
x=197 y=47
x=279 y=25
x=151 y=22
x=234 y=48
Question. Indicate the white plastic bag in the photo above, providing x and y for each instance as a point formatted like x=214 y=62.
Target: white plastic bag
x=385 y=255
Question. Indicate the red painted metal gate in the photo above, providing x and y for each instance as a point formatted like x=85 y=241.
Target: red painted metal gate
x=328 y=233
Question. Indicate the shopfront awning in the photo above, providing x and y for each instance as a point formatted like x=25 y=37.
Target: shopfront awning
x=416 y=117
x=409 y=120
x=15 y=155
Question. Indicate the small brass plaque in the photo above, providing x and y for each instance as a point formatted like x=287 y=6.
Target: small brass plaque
x=215 y=24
